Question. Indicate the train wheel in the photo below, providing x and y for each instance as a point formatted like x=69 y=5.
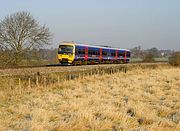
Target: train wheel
x=85 y=63
x=92 y=63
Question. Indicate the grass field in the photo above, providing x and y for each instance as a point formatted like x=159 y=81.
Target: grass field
x=141 y=99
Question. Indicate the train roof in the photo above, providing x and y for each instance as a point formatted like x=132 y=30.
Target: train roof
x=95 y=46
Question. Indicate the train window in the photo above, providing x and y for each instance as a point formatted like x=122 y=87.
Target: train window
x=89 y=52
x=128 y=54
x=76 y=51
x=113 y=53
x=121 y=54
x=97 y=52
x=104 y=53
x=81 y=51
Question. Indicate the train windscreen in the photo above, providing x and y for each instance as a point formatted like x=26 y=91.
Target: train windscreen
x=65 y=49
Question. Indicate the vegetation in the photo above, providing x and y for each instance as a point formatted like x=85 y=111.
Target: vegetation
x=140 y=99
x=149 y=57
x=20 y=33
x=138 y=52
x=175 y=59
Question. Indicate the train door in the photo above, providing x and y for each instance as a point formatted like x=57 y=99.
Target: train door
x=125 y=56
x=116 y=54
x=100 y=55
x=86 y=54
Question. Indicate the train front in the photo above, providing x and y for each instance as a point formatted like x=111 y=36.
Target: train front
x=66 y=53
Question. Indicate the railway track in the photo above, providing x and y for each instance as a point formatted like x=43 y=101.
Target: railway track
x=58 y=65
x=56 y=68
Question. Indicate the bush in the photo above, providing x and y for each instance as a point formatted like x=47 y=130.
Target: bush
x=175 y=59
x=148 y=58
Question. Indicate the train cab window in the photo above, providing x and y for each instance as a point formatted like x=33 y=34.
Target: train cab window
x=65 y=49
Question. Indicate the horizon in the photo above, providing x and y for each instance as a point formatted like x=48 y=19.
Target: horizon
x=117 y=23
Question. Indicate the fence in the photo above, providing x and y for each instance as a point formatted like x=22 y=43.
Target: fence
x=40 y=79
x=45 y=79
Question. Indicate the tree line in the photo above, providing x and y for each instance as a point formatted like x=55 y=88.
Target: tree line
x=149 y=55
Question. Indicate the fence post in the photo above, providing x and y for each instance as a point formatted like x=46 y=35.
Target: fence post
x=29 y=82
x=44 y=81
x=83 y=75
x=58 y=80
x=65 y=78
x=125 y=70
x=37 y=81
x=69 y=76
x=10 y=83
x=89 y=74
x=79 y=76
x=20 y=85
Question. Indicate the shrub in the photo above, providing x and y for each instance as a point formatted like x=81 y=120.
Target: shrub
x=148 y=58
x=175 y=59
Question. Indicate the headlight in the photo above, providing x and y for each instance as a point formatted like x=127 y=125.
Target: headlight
x=70 y=55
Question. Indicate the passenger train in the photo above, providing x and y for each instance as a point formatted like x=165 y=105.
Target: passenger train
x=72 y=53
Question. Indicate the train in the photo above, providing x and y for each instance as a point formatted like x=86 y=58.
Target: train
x=71 y=53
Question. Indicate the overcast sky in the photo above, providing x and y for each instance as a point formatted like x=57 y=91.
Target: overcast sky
x=118 y=23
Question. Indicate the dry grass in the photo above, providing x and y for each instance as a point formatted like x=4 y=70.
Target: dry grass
x=141 y=99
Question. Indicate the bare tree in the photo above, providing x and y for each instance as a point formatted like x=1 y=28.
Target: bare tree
x=19 y=33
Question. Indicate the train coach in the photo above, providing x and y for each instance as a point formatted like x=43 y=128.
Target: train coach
x=78 y=54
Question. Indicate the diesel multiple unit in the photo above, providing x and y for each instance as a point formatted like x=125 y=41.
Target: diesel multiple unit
x=77 y=54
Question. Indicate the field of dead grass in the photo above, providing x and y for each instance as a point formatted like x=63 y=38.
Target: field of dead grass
x=141 y=99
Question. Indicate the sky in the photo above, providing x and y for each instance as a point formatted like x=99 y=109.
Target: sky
x=116 y=23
